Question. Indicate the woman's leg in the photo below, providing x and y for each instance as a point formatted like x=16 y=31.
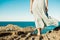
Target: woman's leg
x=39 y=31
x=38 y=21
x=39 y=25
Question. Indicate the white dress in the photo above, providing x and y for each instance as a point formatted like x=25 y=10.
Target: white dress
x=39 y=13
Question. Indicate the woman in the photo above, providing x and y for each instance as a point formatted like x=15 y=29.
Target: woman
x=39 y=9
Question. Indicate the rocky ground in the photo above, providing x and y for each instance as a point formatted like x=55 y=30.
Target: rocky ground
x=14 y=32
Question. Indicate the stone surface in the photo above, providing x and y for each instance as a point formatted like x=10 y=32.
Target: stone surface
x=14 y=32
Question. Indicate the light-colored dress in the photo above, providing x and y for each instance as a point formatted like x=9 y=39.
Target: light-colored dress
x=39 y=13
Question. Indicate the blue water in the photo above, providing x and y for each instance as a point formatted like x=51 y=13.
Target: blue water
x=26 y=24
x=21 y=24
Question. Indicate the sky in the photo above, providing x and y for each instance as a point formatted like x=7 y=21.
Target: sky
x=18 y=10
x=54 y=9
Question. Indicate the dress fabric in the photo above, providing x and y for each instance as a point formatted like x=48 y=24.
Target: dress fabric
x=39 y=14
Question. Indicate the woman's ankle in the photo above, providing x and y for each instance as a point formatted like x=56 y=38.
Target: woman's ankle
x=39 y=31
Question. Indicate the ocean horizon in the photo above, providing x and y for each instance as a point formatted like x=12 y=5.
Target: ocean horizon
x=18 y=23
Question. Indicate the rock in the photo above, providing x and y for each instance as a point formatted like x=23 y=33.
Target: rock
x=14 y=32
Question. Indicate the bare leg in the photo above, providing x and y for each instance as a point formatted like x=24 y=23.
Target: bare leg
x=39 y=31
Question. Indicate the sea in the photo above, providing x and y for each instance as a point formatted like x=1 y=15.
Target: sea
x=19 y=23
x=27 y=24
